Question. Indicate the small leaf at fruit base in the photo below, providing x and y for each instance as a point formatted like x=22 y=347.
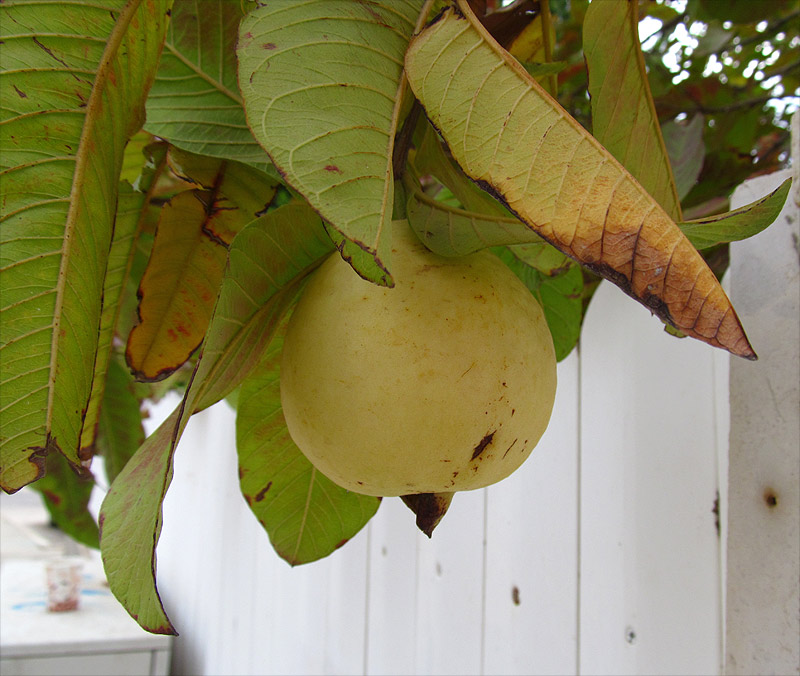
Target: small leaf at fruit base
x=119 y=429
x=686 y=150
x=624 y=119
x=323 y=85
x=268 y=262
x=738 y=224
x=429 y=508
x=521 y=146
x=66 y=494
x=179 y=286
x=306 y=515
x=195 y=101
x=75 y=77
x=558 y=290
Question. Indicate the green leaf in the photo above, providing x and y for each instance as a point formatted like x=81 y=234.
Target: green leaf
x=558 y=290
x=323 y=88
x=149 y=182
x=451 y=231
x=624 y=119
x=738 y=224
x=134 y=158
x=246 y=189
x=431 y=158
x=507 y=134
x=131 y=206
x=686 y=150
x=195 y=101
x=66 y=495
x=119 y=430
x=74 y=79
x=306 y=515
x=267 y=263
x=539 y=71
x=130 y=525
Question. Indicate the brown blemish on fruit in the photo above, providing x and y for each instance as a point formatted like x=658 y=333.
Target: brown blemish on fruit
x=482 y=445
x=770 y=498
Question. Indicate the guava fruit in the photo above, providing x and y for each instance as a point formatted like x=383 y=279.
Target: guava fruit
x=443 y=383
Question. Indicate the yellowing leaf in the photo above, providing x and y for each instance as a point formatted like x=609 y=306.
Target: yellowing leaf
x=181 y=281
x=178 y=289
x=516 y=142
x=623 y=114
x=322 y=86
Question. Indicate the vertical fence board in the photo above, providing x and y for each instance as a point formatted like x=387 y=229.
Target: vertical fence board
x=392 y=604
x=450 y=590
x=763 y=549
x=649 y=546
x=531 y=560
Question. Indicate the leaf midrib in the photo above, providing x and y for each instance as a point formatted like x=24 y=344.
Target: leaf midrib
x=202 y=74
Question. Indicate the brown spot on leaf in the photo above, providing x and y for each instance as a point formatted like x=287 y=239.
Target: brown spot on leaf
x=333 y=168
x=269 y=45
x=342 y=542
x=21 y=93
x=260 y=495
x=52 y=497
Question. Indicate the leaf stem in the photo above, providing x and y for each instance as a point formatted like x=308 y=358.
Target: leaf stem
x=552 y=79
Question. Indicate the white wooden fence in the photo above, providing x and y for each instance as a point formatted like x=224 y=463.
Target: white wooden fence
x=602 y=554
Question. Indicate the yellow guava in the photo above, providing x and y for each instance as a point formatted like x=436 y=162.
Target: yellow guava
x=443 y=383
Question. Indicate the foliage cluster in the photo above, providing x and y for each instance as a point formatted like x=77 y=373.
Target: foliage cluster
x=173 y=170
